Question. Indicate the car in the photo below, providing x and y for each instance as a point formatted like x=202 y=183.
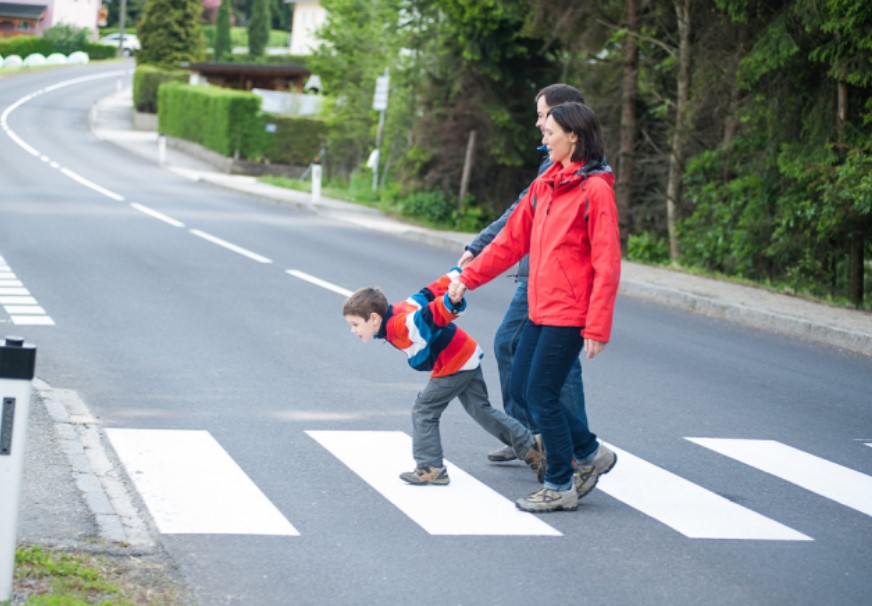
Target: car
x=129 y=46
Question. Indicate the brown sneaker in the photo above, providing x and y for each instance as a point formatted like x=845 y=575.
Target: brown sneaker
x=426 y=475
x=535 y=458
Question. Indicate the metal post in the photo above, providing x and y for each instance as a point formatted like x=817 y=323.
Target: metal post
x=122 y=11
x=17 y=365
x=316 y=181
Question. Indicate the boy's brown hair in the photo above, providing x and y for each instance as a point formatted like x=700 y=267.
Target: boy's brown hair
x=366 y=301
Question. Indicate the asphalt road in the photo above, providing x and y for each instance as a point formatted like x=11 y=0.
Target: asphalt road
x=159 y=323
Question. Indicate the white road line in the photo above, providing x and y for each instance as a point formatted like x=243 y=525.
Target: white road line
x=687 y=507
x=32 y=321
x=14 y=291
x=24 y=309
x=237 y=249
x=841 y=484
x=11 y=283
x=157 y=215
x=464 y=507
x=17 y=301
x=5 y=274
x=319 y=282
x=192 y=486
x=92 y=185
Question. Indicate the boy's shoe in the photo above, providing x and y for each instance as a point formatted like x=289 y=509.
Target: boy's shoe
x=586 y=476
x=545 y=500
x=426 y=475
x=506 y=453
x=535 y=458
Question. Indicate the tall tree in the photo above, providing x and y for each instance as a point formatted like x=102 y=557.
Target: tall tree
x=169 y=33
x=223 y=45
x=627 y=150
x=258 y=28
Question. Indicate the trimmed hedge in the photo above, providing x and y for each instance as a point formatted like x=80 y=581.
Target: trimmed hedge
x=223 y=120
x=146 y=82
x=26 y=45
x=296 y=140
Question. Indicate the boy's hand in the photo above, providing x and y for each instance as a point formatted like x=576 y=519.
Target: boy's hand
x=456 y=291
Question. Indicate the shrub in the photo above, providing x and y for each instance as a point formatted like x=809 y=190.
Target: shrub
x=146 y=82
x=296 y=140
x=66 y=38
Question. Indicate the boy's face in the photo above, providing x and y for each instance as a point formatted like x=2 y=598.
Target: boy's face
x=364 y=328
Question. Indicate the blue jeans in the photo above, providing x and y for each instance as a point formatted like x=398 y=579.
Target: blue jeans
x=542 y=362
x=505 y=345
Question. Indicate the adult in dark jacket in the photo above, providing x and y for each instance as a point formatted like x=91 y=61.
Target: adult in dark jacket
x=506 y=337
x=568 y=225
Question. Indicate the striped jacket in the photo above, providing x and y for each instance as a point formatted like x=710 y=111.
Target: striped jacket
x=422 y=328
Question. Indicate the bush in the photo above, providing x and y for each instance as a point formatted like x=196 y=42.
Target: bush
x=296 y=140
x=223 y=120
x=146 y=82
x=648 y=248
x=25 y=45
x=169 y=31
x=66 y=38
x=57 y=43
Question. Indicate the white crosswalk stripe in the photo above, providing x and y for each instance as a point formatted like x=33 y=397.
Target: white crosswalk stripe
x=192 y=486
x=464 y=507
x=687 y=507
x=841 y=484
x=22 y=308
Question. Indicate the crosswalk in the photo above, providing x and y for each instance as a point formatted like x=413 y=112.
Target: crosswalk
x=190 y=485
x=17 y=301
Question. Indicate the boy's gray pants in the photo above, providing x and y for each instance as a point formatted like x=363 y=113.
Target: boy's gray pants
x=470 y=388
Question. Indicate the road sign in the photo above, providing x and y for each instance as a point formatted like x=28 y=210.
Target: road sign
x=380 y=100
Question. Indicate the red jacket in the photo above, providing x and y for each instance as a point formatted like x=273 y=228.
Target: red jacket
x=568 y=224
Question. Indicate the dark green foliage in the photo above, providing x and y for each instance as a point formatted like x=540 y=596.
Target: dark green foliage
x=223 y=120
x=222 y=45
x=146 y=82
x=25 y=45
x=296 y=140
x=169 y=33
x=258 y=28
x=66 y=38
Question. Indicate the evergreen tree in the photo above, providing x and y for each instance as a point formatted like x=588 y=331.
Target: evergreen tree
x=258 y=28
x=169 y=32
x=222 y=31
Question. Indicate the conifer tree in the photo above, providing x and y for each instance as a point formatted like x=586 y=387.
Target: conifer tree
x=258 y=28
x=170 y=33
x=222 y=31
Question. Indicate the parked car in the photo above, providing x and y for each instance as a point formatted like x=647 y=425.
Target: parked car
x=129 y=46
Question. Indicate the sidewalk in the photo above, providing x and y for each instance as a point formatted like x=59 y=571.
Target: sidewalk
x=112 y=121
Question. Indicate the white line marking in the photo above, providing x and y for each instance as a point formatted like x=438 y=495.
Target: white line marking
x=14 y=291
x=92 y=185
x=237 y=249
x=157 y=215
x=192 y=486
x=32 y=321
x=24 y=309
x=319 y=282
x=17 y=301
x=463 y=507
x=686 y=507
x=841 y=484
x=11 y=283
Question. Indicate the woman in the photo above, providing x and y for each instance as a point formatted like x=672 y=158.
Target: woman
x=568 y=224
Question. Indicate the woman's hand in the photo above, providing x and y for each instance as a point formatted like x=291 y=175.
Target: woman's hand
x=465 y=259
x=593 y=347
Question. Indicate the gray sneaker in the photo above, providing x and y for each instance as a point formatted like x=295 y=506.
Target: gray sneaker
x=545 y=500
x=535 y=458
x=586 y=476
x=502 y=455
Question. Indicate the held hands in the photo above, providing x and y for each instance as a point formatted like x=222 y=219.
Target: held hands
x=456 y=290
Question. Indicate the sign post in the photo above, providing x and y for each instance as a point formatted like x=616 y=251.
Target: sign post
x=17 y=364
x=380 y=103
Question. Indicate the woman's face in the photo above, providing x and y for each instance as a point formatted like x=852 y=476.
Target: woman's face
x=560 y=144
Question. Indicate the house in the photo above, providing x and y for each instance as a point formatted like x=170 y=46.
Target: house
x=33 y=17
x=309 y=15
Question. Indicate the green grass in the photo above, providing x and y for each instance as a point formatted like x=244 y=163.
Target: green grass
x=52 y=577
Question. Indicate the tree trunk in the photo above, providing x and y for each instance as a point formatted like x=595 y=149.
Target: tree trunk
x=627 y=153
x=679 y=135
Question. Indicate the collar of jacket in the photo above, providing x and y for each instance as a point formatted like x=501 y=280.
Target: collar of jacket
x=383 y=329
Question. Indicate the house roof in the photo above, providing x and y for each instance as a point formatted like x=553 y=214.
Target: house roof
x=22 y=11
x=234 y=69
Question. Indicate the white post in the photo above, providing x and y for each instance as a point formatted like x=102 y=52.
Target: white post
x=316 y=182
x=17 y=364
x=161 y=150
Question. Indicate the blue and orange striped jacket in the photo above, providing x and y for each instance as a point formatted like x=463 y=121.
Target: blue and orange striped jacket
x=422 y=327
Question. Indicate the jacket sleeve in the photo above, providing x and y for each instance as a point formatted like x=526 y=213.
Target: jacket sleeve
x=436 y=308
x=512 y=243
x=605 y=250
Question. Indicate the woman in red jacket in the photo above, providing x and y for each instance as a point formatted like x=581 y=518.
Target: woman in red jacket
x=568 y=224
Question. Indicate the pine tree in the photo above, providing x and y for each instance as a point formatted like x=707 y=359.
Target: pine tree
x=170 y=33
x=258 y=28
x=222 y=31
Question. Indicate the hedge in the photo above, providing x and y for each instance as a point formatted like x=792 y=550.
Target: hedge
x=223 y=120
x=26 y=45
x=295 y=141
x=146 y=82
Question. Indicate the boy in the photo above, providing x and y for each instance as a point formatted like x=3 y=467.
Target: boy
x=422 y=328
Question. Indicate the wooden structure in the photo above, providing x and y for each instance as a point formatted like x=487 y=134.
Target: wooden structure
x=20 y=19
x=246 y=76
